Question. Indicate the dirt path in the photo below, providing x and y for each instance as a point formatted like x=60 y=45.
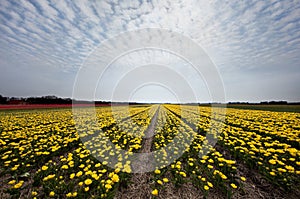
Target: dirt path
x=140 y=186
x=150 y=132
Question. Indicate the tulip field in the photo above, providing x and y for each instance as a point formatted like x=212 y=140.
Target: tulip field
x=200 y=153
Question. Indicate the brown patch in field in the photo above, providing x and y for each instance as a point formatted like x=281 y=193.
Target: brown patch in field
x=187 y=190
x=139 y=188
x=4 y=186
x=25 y=191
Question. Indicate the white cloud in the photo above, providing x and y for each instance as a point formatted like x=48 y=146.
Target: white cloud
x=238 y=35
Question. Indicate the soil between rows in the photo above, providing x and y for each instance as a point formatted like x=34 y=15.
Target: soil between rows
x=140 y=186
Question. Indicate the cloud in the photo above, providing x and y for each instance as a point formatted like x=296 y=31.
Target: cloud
x=241 y=37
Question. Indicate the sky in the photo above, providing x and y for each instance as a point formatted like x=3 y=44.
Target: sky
x=254 y=46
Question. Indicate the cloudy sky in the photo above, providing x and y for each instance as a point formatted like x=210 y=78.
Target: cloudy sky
x=255 y=45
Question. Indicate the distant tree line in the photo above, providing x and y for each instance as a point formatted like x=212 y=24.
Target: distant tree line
x=35 y=100
x=275 y=102
x=48 y=100
x=264 y=102
x=51 y=99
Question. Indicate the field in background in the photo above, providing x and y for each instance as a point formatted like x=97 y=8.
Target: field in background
x=44 y=106
x=257 y=153
x=267 y=107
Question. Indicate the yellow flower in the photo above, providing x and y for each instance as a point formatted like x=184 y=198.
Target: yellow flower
x=95 y=176
x=108 y=186
x=165 y=179
x=88 y=172
x=205 y=157
x=224 y=177
x=159 y=182
x=51 y=194
x=69 y=195
x=272 y=173
x=210 y=184
x=206 y=187
x=45 y=178
x=44 y=168
x=230 y=162
x=15 y=167
x=290 y=168
x=233 y=185
x=281 y=170
x=86 y=189
x=115 y=178
x=127 y=168
x=19 y=184
x=182 y=173
x=243 y=179
x=157 y=171
x=209 y=166
x=72 y=176
x=109 y=182
x=88 y=181
x=97 y=165
x=34 y=193
x=272 y=161
x=12 y=182
x=81 y=166
x=155 y=192
x=50 y=176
